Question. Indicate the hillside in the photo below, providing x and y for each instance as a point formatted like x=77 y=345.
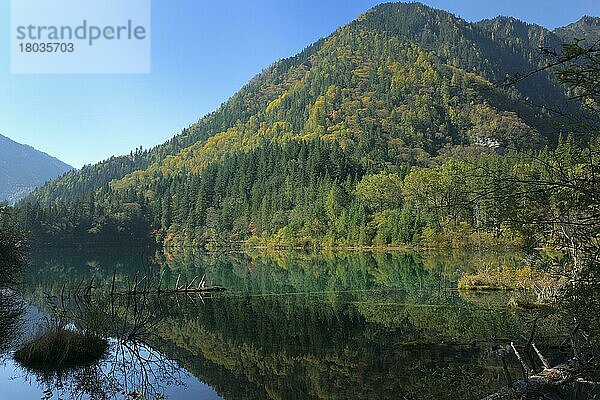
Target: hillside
x=461 y=44
x=23 y=168
x=586 y=29
x=402 y=86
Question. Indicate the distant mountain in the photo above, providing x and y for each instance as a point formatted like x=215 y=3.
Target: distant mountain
x=395 y=88
x=587 y=29
x=23 y=168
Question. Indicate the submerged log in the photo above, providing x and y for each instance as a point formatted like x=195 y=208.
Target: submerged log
x=149 y=289
x=207 y=289
x=542 y=382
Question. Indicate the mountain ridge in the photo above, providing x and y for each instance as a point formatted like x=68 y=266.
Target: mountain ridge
x=587 y=28
x=23 y=168
x=395 y=88
x=239 y=107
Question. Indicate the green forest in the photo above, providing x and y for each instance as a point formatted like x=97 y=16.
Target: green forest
x=407 y=129
x=393 y=131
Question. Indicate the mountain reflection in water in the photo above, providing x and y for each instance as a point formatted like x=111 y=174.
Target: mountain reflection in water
x=290 y=326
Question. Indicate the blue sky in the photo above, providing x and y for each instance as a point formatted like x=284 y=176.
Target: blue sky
x=202 y=53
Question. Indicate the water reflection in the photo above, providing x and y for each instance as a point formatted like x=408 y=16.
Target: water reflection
x=423 y=276
x=12 y=309
x=131 y=368
x=290 y=326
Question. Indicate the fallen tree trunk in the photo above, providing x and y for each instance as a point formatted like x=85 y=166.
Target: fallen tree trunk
x=546 y=380
x=207 y=289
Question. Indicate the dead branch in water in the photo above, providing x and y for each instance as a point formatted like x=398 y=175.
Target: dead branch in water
x=544 y=381
x=549 y=378
x=182 y=290
x=187 y=288
x=140 y=285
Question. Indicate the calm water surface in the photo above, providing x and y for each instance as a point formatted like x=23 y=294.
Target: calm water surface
x=289 y=326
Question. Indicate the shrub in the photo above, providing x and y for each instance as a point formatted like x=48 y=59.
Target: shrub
x=59 y=348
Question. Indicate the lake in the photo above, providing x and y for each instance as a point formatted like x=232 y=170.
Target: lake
x=289 y=326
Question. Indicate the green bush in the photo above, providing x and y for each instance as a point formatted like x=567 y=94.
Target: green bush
x=59 y=348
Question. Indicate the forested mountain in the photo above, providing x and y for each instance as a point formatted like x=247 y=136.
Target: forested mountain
x=319 y=147
x=23 y=168
x=586 y=29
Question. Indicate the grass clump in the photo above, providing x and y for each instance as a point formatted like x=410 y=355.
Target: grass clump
x=525 y=278
x=60 y=348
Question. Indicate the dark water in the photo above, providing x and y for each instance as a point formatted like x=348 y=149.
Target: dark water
x=289 y=326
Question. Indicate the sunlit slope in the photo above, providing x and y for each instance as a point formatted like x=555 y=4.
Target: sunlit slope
x=399 y=75
x=370 y=90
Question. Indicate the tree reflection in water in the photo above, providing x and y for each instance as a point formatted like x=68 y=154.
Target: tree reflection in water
x=305 y=325
x=131 y=368
x=12 y=309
